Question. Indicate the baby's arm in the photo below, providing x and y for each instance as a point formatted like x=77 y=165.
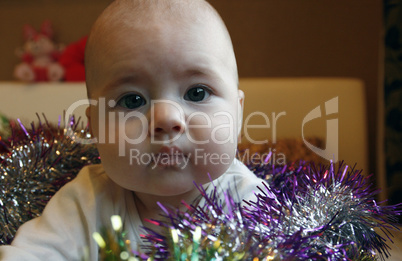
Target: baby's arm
x=64 y=230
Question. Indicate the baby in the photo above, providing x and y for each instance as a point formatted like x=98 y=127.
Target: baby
x=165 y=112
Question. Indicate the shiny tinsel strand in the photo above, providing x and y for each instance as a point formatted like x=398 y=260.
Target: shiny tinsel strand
x=35 y=164
x=335 y=208
x=305 y=212
x=213 y=230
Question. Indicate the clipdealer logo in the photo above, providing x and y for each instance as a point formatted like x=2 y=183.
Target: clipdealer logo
x=332 y=140
x=330 y=152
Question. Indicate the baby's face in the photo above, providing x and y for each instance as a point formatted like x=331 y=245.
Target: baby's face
x=168 y=108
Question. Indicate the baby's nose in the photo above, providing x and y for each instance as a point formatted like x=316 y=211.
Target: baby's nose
x=166 y=117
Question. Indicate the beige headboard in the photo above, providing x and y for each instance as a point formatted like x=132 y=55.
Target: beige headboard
x=22 y=101
x=332 y=109
x=274 y=108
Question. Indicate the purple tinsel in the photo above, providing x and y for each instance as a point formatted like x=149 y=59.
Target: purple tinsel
x=35 y=164
x=302 y=212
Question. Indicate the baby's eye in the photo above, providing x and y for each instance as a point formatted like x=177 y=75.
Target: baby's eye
x=196 y=94
x=131 y=101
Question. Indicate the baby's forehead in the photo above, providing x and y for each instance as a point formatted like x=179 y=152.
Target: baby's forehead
x=149 y=10
x=128 y=17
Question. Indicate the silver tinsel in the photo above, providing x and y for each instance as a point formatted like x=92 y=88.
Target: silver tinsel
x=334 y=209
x=304 y=213
x=35 y=164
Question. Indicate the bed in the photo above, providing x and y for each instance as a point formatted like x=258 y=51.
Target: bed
x=318 y=119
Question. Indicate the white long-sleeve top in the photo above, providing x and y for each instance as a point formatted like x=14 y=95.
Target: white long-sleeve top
x=84 y=205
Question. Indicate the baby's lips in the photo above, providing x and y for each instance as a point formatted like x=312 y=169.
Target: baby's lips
x=170 y=150
x=170 y=156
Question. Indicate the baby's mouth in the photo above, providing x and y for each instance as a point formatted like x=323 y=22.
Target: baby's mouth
x=170 y=157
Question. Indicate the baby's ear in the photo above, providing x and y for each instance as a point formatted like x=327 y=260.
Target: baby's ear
x=240 y=109
x=88 y=114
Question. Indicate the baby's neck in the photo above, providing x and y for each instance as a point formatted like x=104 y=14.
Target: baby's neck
x=148 y=208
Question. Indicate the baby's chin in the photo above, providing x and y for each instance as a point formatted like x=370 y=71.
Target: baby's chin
x=167 y=179
x=177 y=193
x=170 y=185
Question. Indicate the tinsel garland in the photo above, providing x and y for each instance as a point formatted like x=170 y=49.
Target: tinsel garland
x=304 y=212
x=34 y=165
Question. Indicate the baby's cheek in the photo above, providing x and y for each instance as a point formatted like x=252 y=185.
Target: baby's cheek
x=218 y=154
x=224 y=138
x=213 y=159
x=117 y=137
x=223 y=128
x=132 y=130
x=218 y=127
x=199 y=128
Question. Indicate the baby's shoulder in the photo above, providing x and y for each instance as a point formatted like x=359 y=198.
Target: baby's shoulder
x=91 y=174
x=240 y=171
x=239 y=181
x=91 y=180
x=240 y=177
